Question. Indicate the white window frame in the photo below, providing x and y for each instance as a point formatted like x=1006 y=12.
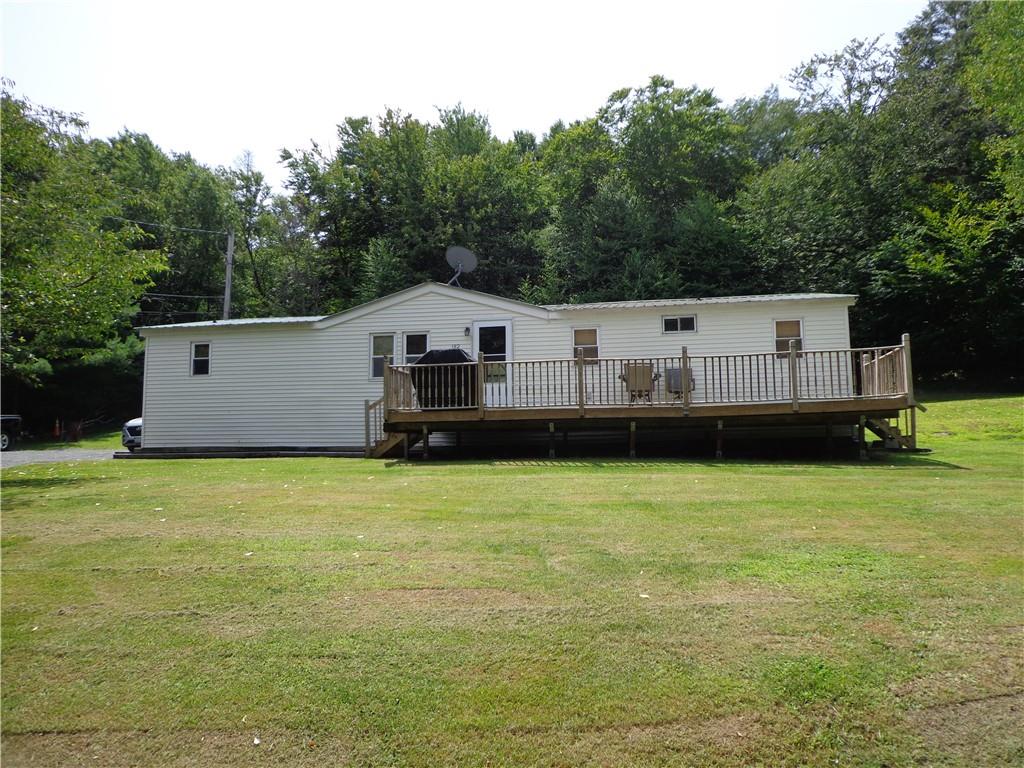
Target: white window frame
x=405 y=344
x=677 y=317
x=775 y=333
x=394 y=337
x=192 y=359
x=573 y=345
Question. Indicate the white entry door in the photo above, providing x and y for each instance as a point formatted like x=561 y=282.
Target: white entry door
x=493 y=340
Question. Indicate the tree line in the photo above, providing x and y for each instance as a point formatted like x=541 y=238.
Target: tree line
x=895 y=173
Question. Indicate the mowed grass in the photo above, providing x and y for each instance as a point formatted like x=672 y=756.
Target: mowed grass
x=549 y=613
x=106 y=438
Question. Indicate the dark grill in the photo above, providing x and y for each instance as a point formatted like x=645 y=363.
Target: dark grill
x=443 y=380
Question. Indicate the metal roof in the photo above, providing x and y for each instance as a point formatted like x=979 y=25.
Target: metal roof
x=240 y=321
x=648 y=303
x=644 y=304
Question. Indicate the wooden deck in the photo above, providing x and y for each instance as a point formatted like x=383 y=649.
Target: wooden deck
x=862 y=387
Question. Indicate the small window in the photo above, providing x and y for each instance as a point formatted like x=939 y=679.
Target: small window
x=585 y=340
x=200 y=359
x=787 y=330
x=381 y=345
x=415 y=347
x=682 y=324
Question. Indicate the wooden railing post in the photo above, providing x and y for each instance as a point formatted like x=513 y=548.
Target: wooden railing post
x=581 y=396
x=387 y=384
x=908 y=371
x=481 y=371
x=794 y=384
x=684 y=373
x=366 y=409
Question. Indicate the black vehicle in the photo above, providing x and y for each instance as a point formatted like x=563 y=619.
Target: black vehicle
x=10 y=430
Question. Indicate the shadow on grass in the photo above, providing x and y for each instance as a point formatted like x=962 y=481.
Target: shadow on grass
x=42 y=483
x=886 y=462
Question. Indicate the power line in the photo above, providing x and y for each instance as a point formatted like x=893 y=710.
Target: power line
x=166 y=226
x=180 y=296
x=86 y=227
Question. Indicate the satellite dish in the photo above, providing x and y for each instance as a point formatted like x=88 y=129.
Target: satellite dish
x=462 y=260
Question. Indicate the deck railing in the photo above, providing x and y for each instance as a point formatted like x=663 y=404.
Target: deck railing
x=373 y=415
x=679 y=380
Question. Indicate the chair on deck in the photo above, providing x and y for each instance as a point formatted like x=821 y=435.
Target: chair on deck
x=639 y=379
x=674 y=382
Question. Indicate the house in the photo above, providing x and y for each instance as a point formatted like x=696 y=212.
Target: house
x=349 y=381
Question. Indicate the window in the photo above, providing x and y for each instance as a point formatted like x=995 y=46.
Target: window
x=200 y=358
x=415 y=346
x=682 y=324
x=381 y=345
x=585 y=340
x=786 y=330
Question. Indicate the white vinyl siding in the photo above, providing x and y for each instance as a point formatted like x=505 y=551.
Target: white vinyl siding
x=300 y=385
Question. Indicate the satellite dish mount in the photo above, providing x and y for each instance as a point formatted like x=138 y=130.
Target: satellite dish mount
x=462 y=260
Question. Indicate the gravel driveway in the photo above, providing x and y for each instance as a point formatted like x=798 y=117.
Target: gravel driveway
x=17 y=458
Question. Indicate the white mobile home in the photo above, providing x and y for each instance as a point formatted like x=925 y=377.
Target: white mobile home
x=343 y=381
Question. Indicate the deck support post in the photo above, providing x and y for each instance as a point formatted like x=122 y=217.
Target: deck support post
x=366 y=427
x=581 y=395
x=551 y=439
x=908 y=372
x=426 y=443
x=862 y=445
x=632 y=439
x=794 y=383
x=405 y=446
x=719 y=440
x=684 y=379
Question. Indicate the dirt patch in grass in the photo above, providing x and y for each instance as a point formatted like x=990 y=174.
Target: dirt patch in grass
x=693 y=740
x=443 y=597
x=982 y=731
x=173 y=749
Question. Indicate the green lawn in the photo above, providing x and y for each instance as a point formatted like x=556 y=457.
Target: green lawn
x=107 y=438
x=550 y=613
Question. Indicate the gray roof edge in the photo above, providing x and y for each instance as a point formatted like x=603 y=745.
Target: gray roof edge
x=467 y=293
x=232 y=323
x=751 y=299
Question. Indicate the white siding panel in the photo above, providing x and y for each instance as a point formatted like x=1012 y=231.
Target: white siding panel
x=305 y=386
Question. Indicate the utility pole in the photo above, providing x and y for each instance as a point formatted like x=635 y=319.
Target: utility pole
x=229 y=268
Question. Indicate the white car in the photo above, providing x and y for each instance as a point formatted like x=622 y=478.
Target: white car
x=131 y=434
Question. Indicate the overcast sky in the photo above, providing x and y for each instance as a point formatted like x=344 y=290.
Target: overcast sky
x=215 y=79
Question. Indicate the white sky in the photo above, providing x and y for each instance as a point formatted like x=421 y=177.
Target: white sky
x=216 y=78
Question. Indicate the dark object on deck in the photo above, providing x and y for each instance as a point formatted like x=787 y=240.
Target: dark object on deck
x=674 y=382
x=440 y=382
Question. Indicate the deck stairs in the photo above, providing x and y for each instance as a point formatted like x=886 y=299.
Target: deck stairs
x=892 y=437
x=390 y=445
